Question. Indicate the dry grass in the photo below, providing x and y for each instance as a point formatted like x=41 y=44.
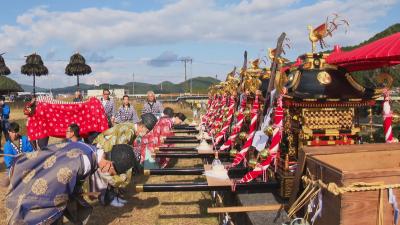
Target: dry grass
x=177 y=208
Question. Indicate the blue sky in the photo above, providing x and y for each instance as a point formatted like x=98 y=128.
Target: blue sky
x=148 y=37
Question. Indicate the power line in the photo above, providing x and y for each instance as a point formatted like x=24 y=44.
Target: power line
x=131 y=60
x=214 y=63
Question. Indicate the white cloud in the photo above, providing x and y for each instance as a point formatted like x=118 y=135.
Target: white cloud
x=247 y=6
x=165 y=59
x=257 y=21
x=99 y=57
x=250 y=22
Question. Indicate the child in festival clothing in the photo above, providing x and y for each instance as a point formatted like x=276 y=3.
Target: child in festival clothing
x=17 y=144
x=4 y=116
x=72 y=133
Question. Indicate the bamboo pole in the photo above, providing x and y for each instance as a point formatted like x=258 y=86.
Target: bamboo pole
x=181 y=141
x=185 y=131
x=189 y=155
x=178 y=187
x=237 y=209
x=176 y=149
x=232 y=172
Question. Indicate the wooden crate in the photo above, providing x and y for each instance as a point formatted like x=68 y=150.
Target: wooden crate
x=345 y=165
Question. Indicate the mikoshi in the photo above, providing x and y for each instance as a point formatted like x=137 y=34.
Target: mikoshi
x=277 y=123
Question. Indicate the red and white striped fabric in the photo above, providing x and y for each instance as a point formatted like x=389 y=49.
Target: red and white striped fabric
x=273 y=148
x=387 y=118
x=236 y=129
x=216 y=122
x=210 y=107
x=213 y=112
x=228 y=121
x=253 y=126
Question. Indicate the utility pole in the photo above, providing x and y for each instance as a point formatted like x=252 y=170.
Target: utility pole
x=133 y=84
x=191 y=77
x=185 y=61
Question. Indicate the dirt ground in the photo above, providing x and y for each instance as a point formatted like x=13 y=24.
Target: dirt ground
x=177 y=208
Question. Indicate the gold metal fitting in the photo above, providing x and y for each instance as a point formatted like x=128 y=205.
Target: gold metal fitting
x=269 y=131
x=243 y=136
x=252 y=163
x=139 y=188
x=146 y=172
x=233 y=152
x=396 y=118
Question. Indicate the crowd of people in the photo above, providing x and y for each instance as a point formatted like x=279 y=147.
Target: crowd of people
x=49 y=179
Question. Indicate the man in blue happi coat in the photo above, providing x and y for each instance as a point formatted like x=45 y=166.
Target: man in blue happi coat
x=47 y=185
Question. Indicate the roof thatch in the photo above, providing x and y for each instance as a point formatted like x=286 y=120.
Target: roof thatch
x=4 y=70
x=8 y=85
x=77 y=66
x=34 y=66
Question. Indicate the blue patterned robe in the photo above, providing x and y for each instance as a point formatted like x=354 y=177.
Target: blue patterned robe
x=45 y=184
x=126 y=114
x=153 y=107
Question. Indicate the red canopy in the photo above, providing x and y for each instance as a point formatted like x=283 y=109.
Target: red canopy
x=377 y=54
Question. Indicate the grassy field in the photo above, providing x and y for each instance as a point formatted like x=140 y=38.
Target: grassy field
x=178 y=208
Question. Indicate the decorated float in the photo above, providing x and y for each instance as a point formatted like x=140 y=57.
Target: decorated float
x=298 y=151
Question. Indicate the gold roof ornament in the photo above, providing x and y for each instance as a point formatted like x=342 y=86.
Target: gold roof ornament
x=251 y=77
x=324 y=30
x=266 y=73
x=231 y=74
x=231 y=83
x=215 y=89
x=271 y=55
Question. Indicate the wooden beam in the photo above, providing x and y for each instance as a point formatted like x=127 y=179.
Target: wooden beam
x=236 y=209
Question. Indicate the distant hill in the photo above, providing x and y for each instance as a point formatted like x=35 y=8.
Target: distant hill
x=388 y=31
x=29 y=88
x=199 y=85
x=365 y=77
